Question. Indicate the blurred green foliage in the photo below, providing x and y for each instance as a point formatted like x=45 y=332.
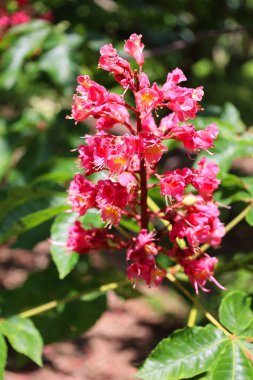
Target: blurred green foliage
x=210 y=40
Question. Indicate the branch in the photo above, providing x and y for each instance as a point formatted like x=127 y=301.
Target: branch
x=202 y=36
x=53 y=304
x=198 y=305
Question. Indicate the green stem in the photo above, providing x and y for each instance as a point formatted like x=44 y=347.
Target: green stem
x=192 y=317
x=198 y=305
x=238 y=218
x=53 y=304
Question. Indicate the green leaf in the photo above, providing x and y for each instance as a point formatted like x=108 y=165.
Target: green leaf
x=30 y=221
x=3 y=356
x=23 y=337
x=246 y=347
x=92 y=219
x=130 y=224
x=63 y=259
x=22 y=195
x=235 y=312
x=58 y=62
x=186 y=353
x=232 y=116
x=5 y=157
x=232 y=365
x=21 y=48
x=249 y=217
x=248 y=332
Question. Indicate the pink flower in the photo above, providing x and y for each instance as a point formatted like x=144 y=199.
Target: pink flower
x=168 y=124
x=173 y=78
x=142 y=251
x=204 y=179
x=183 y=104
x=146 y=271
x=195 y=140
x=173 y=184
x=110 y=61
x=95 y=100
x=134 y=47
x=143 y=81
x=82 y=241
x=148 y=99
x=20 y=17
x=204 y=138
x=198 y=223
x=142 y=246
x=151 y=148
x=4 y=20
x=111 y=198
x=201 y=270
x=81 y=194
x=79 y=111
x=93 y=156
x=129 y=158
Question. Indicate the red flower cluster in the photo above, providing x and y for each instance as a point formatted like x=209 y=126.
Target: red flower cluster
x=24 y=13
x=129 y=161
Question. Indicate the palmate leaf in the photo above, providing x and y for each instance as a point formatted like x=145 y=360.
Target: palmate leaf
x=23 y=337
x=232 y=365
x=186 y=353
x=235 y=312
x=3 y=356
x=191 y=352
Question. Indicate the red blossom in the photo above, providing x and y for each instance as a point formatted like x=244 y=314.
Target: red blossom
x=82 y=241
x=173 y=184
x=81 y=194
x=134 y=47
x=195 y=140
x=204 y=179
x=111 y=198
x=201 y=270
x=152 y=149
x=20 y=17
x=129 y=160
x=198 y=223
x=148 y=99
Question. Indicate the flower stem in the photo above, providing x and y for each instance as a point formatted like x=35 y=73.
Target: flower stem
x=143 y=172
x=144 y=194
x=198 y=305
x=192 y=317
x=53 y=304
